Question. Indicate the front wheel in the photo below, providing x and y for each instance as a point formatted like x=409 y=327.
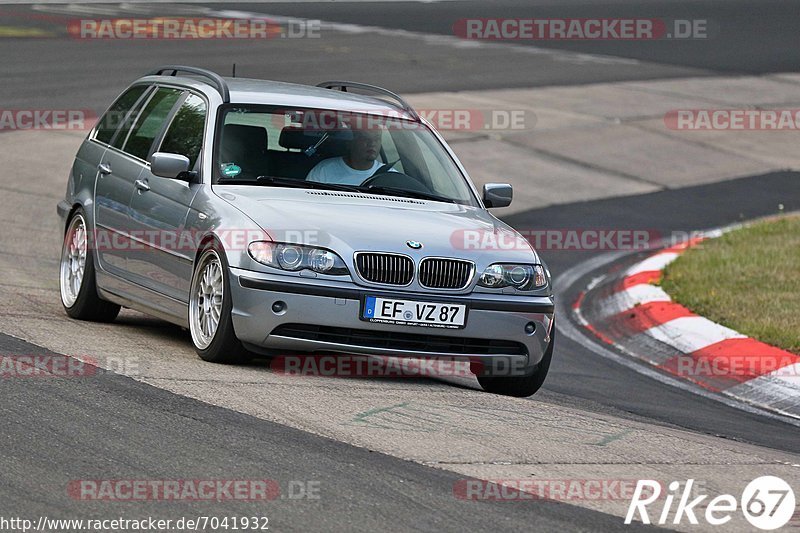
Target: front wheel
x=77 y=276
x=210 y=305
x=521 y=386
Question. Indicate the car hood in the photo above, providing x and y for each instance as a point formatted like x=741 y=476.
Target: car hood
x=348 y=222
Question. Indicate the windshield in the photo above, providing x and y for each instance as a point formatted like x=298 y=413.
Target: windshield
x=325 y=149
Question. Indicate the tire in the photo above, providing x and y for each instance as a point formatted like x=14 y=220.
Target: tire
x=77 y=275
x=522 y=386
x=210 y=322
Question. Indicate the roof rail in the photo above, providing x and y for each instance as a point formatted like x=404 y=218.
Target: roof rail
x=343 y=85
x=216 y=79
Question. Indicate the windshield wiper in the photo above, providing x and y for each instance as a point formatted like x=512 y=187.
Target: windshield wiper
x=236 y=181
x=304 y=184
x=397 y=191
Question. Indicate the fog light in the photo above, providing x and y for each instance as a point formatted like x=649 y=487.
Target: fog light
x=530 y=328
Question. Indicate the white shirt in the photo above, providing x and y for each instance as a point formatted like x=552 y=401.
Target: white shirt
x=335 y=170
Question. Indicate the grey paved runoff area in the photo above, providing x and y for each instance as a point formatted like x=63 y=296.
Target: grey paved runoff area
x=582 y=143
x=587 y=143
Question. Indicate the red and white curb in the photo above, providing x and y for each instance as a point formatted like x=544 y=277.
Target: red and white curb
x=696 y=349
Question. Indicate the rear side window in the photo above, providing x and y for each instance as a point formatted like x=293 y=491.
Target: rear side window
x=116 y=114
x=150 y=122
x=185 y=134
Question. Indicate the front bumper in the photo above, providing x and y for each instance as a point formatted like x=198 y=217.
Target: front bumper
x=323 y=316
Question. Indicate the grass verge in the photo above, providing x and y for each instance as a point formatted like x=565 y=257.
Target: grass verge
x=747 y=280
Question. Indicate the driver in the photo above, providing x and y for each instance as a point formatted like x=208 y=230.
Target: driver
x=360 y=163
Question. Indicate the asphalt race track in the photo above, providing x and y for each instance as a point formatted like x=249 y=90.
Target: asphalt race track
x=385 y=454
x=192 y=438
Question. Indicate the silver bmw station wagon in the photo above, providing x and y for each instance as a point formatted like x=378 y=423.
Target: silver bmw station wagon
x=272 y=218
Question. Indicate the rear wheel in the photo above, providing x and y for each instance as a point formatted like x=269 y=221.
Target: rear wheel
x=210 y=307
x=77 y=276
x=521 y=386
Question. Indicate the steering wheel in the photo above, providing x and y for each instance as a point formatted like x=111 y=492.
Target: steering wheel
x=384 y=177
x=397 y=180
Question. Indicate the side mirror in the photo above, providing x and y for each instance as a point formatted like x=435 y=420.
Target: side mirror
x=174 y=166
x=497 y=194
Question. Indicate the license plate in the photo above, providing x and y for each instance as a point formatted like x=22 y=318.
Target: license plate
x=414 y=313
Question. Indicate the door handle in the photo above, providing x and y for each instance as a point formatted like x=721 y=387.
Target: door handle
x=104 y=168
x=141 y=185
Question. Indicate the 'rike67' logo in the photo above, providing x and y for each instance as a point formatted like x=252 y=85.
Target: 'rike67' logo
x=767 y=503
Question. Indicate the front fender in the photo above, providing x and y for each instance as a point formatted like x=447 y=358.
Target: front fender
x=212 y=217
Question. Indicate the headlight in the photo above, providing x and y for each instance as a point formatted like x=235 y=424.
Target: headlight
x=295 y=257
x=322 y=260
x=521 y=277
x=289 y=257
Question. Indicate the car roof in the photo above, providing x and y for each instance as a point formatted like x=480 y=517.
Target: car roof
x=278 y=93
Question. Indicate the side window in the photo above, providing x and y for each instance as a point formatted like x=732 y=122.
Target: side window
x=149 y=123
x=185 y=134
x=105 y=129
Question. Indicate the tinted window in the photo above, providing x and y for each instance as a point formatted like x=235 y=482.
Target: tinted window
x=116 y=114
x=150 y=122
x=185 y=134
